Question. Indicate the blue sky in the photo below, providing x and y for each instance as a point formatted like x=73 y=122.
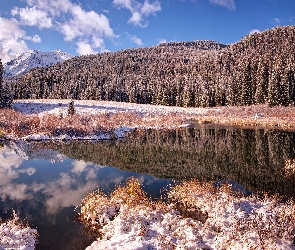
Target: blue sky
x=86 y=27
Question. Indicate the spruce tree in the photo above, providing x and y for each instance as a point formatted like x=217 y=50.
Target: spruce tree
x=1 y=79
x=71 y=109
x=5 y=98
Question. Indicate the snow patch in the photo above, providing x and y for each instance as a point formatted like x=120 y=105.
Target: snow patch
x=16 y=235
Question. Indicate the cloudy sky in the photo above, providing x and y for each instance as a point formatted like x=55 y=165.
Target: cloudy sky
x=86 y=27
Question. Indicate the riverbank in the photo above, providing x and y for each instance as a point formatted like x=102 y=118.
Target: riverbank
x=101 y=120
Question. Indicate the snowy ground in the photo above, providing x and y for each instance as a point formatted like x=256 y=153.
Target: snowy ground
x=279 y=117
x=149 y=116
x=127 y=220
x=16 y=235
x=55 y=106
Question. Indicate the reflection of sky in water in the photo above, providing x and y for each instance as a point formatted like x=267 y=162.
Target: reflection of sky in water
x=46 y=191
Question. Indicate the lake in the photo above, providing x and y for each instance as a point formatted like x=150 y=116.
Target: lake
x=44 y=181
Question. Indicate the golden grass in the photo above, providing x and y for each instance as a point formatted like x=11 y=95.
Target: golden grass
x=19 y=125
x=224 y=219
x=255 y=115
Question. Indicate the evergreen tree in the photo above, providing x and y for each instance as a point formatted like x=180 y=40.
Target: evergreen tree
x=71 y=109
x=5 y=97
x=262 y=83
x=1 y=77
x=246 y=85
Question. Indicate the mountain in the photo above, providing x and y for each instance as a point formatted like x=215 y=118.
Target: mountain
x=258 y=69
x=31 y=151
x=32 y=59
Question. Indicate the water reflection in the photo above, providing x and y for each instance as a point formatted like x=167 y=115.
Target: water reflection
x=44 y=182
x=45 y=186
x=253 y=158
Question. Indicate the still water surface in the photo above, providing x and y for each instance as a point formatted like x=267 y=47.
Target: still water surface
x=44 y=182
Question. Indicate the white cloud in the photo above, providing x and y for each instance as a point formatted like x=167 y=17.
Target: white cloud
x=87 y=29
x=229 y=4
x=277 y=20
x=28 y=171
x=85 y=48
x=80 y=166
x=137 y=20
x=254 y=31
x=33 y=17
x=128 y=4
x=53 y=7
x=9 y=28
x=14 y=192
x=136 y=40
x=85 y=23
x=35 y=38
x=148 y=9
x=162 y=40
x=98 y=42
x=12 y=39
x=138 y=10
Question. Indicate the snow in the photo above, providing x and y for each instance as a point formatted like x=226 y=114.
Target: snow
x=16 y=235
x=59 y=108
x=231 y=222
x=32 y=59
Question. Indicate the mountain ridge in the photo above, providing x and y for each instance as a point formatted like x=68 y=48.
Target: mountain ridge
x=32 y=59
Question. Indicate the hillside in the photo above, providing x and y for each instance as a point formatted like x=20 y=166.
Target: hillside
x=32 y=59
x=256 y=70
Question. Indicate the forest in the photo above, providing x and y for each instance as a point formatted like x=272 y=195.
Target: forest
x=259 y=69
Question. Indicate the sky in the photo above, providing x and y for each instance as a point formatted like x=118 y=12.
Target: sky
x=82 y=27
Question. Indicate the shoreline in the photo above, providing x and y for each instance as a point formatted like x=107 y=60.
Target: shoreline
x=47 y=120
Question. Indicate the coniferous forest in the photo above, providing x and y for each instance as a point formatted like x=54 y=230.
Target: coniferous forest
x=258 y=69
x=5 y=97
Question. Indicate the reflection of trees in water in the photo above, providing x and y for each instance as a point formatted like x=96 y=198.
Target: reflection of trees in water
x=253 y=158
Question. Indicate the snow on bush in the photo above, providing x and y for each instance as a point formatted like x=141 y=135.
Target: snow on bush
x=17 y=235
x=197 y=216
x=290 y=167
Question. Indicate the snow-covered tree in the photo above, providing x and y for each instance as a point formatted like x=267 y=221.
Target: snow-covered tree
x=5 y=97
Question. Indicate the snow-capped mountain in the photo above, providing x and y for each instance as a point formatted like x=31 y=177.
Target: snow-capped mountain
x=32 y=59
x=31 y=151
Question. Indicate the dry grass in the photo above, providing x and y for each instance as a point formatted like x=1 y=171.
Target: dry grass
x=255 y=115
x=19 y=124
x=250 y=221
x=229 y=221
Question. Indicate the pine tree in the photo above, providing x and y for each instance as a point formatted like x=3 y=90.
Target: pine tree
x=246 y=84
x=1 y=78
x=5 y=98
x=71 y=109
x=262 y=83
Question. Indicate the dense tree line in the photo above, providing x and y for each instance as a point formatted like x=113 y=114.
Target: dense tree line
x=258 y=69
